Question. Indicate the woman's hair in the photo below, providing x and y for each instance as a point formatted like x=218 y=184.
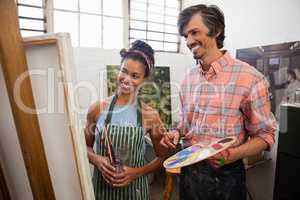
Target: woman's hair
x=142 y=52
x=212 y=17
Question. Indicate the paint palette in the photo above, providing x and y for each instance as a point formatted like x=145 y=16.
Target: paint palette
x=196 y=153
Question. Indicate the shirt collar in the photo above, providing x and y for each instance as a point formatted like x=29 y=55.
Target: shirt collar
x=218 y=64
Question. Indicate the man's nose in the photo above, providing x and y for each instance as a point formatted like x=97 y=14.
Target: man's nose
x=190 y=41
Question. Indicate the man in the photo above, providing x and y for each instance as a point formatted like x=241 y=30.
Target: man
x=222 y=96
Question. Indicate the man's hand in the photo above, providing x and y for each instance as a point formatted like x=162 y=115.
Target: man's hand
x=223 y=158
x=170 y=139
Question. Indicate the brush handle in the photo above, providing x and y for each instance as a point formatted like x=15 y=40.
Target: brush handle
x=109 y=148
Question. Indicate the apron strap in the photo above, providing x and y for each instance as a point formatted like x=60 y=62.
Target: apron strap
x=139 y=113
x=109 y=147
x=110 y=110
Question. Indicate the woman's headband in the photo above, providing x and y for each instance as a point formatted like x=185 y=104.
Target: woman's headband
x=148 y=61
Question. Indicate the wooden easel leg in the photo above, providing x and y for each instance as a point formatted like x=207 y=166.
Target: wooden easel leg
x=168 y=187
x=4 y=193
x=14 y=63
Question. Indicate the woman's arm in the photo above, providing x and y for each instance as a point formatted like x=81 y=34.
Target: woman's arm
x=100 y=162
x=90 y=130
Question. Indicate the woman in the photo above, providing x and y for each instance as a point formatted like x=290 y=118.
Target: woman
x=290 y=86
x=128 y=120
x=293 y=85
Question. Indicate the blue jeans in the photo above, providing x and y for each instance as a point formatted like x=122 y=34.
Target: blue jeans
x=202 y=182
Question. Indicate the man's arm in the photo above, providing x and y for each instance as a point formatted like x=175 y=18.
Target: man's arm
x=252 y=147
x=260 y=124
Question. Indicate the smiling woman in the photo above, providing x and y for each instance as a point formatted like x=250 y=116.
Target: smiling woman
x=117 y=125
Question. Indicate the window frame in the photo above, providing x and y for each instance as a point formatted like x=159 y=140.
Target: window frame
x=48 y=22
x=44 y=19
x=79 y=12
x=163 y=41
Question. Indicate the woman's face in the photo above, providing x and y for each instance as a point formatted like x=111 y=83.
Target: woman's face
x=131 y=76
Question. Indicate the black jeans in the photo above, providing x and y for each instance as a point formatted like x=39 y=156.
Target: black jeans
x=202 y=182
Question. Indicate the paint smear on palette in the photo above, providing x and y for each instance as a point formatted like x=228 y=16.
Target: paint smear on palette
x=198 y=155
x=225 y=140
x=174 y=162
x=205 y=153
x=184 y=156
x=217 y=146
x=187 y=152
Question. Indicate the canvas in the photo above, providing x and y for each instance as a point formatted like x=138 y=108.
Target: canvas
x=51 y=70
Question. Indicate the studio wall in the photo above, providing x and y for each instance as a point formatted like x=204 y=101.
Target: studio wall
x=91 y=75
x=256 y=23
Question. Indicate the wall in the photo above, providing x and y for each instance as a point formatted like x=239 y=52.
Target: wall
x=254 y=23
x=249 y=24
x=91 y=74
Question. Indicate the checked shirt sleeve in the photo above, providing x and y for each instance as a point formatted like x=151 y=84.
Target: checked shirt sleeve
x=259 y=120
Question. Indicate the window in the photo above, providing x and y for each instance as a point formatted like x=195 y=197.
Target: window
x=103 y=23
x=31 y=17
x=92 y=23
x=155 y=22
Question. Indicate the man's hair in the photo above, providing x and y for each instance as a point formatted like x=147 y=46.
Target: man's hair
x=212 y=17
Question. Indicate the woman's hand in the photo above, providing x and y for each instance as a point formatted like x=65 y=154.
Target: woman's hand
x=107 y=170
x=125 y=177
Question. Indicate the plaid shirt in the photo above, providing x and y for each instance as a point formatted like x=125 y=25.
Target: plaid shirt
x=231 y=98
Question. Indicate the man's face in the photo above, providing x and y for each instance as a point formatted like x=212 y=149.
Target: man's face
x=197 y=39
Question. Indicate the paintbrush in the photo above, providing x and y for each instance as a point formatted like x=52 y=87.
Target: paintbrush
x=108 y=145
x=109 y=148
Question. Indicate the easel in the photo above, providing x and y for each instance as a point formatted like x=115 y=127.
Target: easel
x=4 y=193
x=169 y=186
x=169 y=183
x=14 y=63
